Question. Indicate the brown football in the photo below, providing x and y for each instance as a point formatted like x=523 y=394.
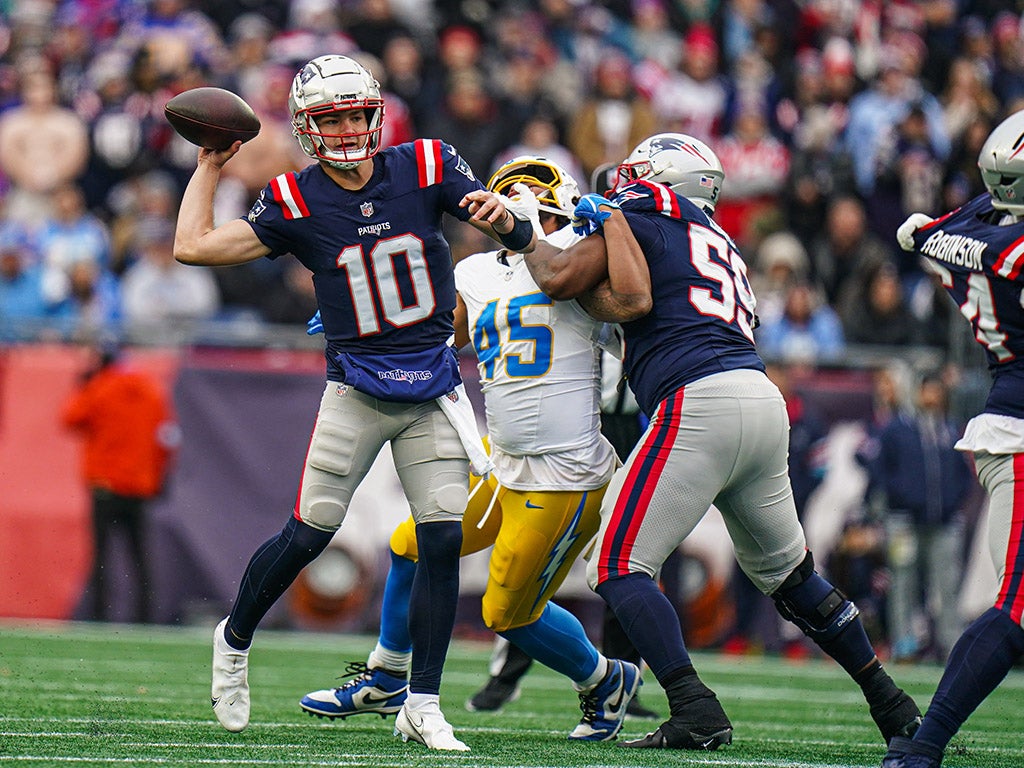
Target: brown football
x=212 y=117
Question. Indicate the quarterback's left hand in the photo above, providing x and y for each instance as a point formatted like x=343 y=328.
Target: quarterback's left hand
x=588 y=217
x=905 y=233
x=314 y=325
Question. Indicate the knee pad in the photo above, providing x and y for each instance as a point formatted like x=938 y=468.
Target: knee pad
x=819 y=609
x=325 y=493
x=449 y=504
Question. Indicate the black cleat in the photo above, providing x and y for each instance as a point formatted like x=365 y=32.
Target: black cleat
x=907 y=753
x=639 y=711
x=673 y=734
x=697 y=720
x=898 y=717
x=493 y=696
x=502 y=688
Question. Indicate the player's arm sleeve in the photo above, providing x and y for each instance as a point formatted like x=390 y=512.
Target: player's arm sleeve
x=267 y=219
x=457 y=181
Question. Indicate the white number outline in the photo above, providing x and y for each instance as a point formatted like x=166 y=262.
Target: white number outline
x=382 y=257
x=737 y=303
x=980 y=310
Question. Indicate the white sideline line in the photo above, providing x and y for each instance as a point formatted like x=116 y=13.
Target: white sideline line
x=376 y=762
x=371 y=762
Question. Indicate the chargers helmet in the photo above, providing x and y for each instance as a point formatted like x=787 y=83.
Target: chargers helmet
x=560 y=190
x=682 y=163
x=330 y=84
x=1001 y=162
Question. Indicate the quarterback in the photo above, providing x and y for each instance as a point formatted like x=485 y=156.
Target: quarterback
x=366 y=221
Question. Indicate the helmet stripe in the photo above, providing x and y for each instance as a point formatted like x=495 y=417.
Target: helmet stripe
x=428 y=162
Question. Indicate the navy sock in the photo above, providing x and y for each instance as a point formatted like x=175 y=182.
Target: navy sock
x=270 y=572
x=394 y=609
x=557 y=640
x=435 y=592
x=649 y=620
x=979 y=661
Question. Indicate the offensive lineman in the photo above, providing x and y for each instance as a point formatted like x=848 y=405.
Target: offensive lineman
x=539 y=370
x=978 y=252
x=367 y=223
x=718 y=434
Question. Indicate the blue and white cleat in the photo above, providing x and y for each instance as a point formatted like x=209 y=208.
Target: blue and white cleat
x=373 y=691
x=604 y=706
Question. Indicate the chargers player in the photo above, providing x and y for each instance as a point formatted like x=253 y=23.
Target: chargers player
x=539 y=371
x=366 y=222
x=978 y=252
x=718 y=433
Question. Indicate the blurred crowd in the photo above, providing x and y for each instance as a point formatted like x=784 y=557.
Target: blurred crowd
x=833 y=120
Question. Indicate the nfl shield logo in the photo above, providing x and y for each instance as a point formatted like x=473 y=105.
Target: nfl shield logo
x=366 y=209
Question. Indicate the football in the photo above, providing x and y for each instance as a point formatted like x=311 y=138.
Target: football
x=211 y=117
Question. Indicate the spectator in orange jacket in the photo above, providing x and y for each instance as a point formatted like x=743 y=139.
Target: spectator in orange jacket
x=129 y=433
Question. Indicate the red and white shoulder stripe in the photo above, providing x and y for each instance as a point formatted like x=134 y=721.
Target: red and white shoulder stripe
x=286 y=193
x=666 y=201
x=428 y=162
x=1011 y=260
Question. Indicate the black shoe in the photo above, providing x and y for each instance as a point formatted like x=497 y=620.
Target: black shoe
x=639 y=711
x=493 y=696
x=897 y=717
x=697 y=721
x=907 y=753
x=502 y=688
x=676 y=734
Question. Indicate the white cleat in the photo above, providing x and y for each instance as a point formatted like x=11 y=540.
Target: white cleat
x=427 y=726
x=230 y=692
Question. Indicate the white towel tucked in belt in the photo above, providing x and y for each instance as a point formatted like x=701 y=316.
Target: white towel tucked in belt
x=459 y=410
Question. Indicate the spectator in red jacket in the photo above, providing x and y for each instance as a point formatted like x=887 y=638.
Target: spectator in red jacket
x=130 y=433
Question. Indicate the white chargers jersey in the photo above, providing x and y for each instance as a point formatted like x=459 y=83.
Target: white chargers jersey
x=539 y=364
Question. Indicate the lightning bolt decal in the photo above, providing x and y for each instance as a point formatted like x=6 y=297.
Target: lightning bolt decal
x=560 y=550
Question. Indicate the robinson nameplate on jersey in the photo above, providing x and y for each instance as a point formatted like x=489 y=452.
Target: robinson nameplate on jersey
x=958 y=250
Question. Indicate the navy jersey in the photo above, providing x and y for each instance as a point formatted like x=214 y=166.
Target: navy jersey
x=381 y=267
x=981 y=265
x=701 y=320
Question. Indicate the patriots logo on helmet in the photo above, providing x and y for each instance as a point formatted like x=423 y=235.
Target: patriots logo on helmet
x=661 y=143
x=667 y=142
x=366 y=209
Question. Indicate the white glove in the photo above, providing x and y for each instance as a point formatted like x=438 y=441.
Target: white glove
x=905 y=233
x=524 y=205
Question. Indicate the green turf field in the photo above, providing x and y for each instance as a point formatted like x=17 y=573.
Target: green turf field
x=95 y=695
